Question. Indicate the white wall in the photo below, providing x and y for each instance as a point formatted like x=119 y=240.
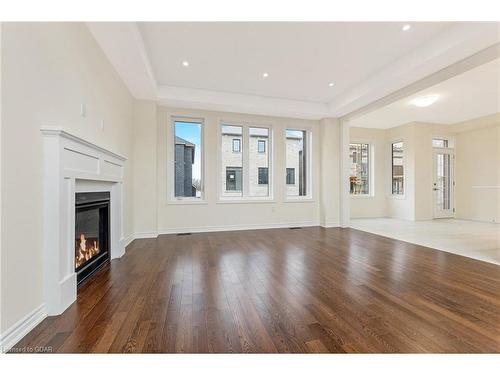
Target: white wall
x=402 y=206
x=48 y=71
x=330 y=172
x=144 y=161
x=375 y=204
x=478 y=170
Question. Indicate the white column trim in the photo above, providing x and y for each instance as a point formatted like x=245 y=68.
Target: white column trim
x=345 y=201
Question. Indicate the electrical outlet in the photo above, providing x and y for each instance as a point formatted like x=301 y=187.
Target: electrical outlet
x=102 y=125
x=83 y=110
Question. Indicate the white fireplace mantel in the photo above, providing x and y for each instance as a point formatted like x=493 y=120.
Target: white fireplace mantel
x=73 y=164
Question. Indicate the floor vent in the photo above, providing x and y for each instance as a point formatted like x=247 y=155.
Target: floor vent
x=295 y=228
x=183 y=234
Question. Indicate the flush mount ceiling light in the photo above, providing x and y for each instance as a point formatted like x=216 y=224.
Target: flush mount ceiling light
x=425 y=101
x=406 y=27
x=265 y=75
x=331 y=84
x=185 y=63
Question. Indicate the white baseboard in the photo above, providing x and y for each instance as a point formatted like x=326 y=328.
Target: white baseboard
x=127 y=240
x=68 y=294
x=226 y=228
x=145 y=235
x=330 y=224
x=20 y=329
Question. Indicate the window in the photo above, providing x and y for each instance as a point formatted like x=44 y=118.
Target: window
x=263 y=176
x=236 y=145
x=258 y=159
x=297 y=159
x=232 y=162
x=246 y=171
x=233 y=179
x=187 y=158
x=290 y=176
x=359 y=177
x=439 y=142
x=261 y=146
x=397 y=168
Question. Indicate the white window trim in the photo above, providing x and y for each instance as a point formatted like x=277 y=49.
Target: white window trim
x=310 y=173
x=371 y=168
x=245 y=156
x=171 y=198
x=405 y=172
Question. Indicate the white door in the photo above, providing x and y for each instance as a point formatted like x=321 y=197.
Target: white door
x=443 y=183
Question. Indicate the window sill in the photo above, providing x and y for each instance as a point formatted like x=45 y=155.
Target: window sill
x=397 y=196
x=244 y=201
x=298 y=200
x=186 y=201
x=362 y=196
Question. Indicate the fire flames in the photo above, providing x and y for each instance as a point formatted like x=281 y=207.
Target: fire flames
x=85 y=249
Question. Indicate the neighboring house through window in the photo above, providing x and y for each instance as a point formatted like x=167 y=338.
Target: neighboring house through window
x=397 y=152
x=263 y=176
x=237 y=145
x=187 y=158
x=290 y=176
x=359 y=176
x=233 y=179
x=261 y=146
x=245 y=161
x=297 y=159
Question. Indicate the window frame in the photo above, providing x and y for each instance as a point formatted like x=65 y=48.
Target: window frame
x=371 y=167
x=235 y=168
x=170 y=137
x=309 y=163
x=259 y=142
x=391 y=194
x=239 y=145
x=245 y=198
x=258 y=175
x=286 y=176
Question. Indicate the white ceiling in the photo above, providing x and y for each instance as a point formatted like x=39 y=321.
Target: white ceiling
x=366 y=61
x=301 y=58
x=469 y=95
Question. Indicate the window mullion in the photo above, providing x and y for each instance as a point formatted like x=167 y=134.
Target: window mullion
x=246 y=161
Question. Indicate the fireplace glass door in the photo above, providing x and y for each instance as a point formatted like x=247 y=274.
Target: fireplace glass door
x=91 y=233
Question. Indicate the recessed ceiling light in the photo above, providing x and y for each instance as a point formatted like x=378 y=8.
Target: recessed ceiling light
x=331 y=84
x=425 y=101
x=265 y=75
x=406 y=27
x=185 y=63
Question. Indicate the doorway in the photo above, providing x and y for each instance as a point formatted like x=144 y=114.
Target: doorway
x=443 y=184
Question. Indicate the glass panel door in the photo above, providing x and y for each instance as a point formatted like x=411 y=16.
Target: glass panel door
x=443 y=183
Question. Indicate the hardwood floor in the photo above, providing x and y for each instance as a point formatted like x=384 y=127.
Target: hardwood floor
x=309 y=290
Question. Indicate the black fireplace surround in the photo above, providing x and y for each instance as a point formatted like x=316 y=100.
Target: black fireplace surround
x=91 y=233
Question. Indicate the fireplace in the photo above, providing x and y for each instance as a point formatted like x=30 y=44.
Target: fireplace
x=91 y=233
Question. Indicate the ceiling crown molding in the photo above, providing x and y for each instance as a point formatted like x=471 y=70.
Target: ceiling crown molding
x=231 y=102
x=123 y=45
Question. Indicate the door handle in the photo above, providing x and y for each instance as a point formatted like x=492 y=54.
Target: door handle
x=435 y=189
